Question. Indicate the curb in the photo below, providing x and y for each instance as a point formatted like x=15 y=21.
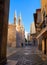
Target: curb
x=11 y=53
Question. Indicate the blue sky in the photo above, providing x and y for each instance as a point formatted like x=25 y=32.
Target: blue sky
x=27 y=8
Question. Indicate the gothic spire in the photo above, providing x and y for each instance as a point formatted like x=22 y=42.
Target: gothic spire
x=15 y=17
x=19 y=19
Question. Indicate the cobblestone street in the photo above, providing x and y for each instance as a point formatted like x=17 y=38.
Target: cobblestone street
x=26 y=56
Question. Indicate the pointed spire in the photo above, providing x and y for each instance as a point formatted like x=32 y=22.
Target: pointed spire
x=19 y=19
x=20 y=15
x=15 y=14
x=15 y=17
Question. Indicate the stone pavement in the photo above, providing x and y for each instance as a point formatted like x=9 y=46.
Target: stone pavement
x=26 y=56
x=11 y=50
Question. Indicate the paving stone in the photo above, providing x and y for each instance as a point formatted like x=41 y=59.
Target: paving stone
x=27 y=56
x=11 y=62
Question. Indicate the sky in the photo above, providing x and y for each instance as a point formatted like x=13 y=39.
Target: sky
x=27 y=8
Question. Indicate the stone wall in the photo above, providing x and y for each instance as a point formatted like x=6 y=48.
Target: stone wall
x=4 y=12
x=11 y=35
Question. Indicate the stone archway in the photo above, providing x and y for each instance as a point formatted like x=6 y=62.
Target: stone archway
x=4 y=13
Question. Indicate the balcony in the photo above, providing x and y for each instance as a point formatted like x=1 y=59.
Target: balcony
x=41 y=32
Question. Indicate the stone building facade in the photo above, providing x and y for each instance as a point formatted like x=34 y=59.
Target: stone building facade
x=12 y=35
x=16 y=33
x=33 y=34
x=37 y=21
x=41 y=34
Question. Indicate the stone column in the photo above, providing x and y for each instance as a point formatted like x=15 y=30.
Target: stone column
x=4 y=12
x=38 y=43
x=43 y=46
